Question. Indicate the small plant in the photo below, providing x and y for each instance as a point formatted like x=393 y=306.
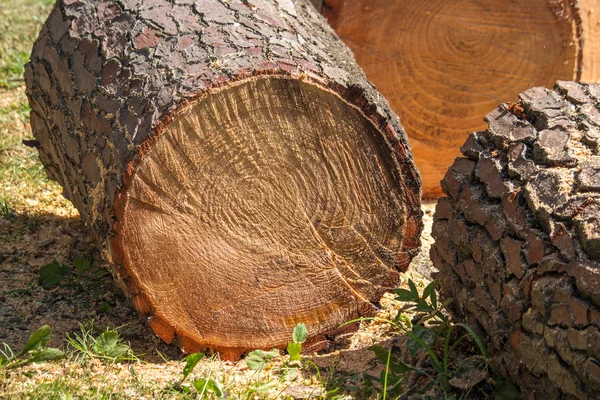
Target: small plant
x=204 y=386
x=35 y=350
x=294 y=348
x=432 y=342
x=108 y=346
x=6 y=210
x=258 y=359
x=77 y=275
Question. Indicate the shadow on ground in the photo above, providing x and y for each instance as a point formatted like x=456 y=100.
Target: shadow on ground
x=30 y=241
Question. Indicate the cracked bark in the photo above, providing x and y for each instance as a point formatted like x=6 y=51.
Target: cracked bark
x=192 y=136
x=517 y=239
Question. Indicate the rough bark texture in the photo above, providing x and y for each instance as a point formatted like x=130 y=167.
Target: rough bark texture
x=444 y=64
x=107 y=78
x=517 y=240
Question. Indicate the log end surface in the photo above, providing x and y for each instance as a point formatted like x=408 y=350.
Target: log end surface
x=241 y=171
x=443 y=65
x=264 y=204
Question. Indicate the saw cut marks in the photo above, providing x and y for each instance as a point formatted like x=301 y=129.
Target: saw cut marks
x=240 y=172
x=257 y=209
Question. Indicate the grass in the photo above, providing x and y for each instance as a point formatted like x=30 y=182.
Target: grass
x=99 y=365
x=107 y=346
x=20 y=21
x=23 y=182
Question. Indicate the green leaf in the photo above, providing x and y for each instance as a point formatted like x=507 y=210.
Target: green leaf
x=396 y=365
x=294 y=350
x=433 y=297
x=108 y=345
x=53 y=273
x=300 y=333
x=474 y=336
x=104 y=307
x=82 y=264
x=426 y=335
x=429 y=289
x=47 y=354
x=204 y=386
x=446 y=303
x=504 y=390
x=37 y=340
x=190 y=363
x=423 y=307
x=413 y=288
x=380 y=352
x=257 y=359
x=404 y=295
x=399 y=367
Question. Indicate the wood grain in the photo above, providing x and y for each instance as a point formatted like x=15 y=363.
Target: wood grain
x=235 y=238
x=444 y=65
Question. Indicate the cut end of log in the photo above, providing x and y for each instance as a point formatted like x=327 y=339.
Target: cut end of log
x=443 y=65
x=263 y=204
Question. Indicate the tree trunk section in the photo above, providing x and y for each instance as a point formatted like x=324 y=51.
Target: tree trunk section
x=517 y=240
x=589 y=10
x=443 y=65
x=240 y=169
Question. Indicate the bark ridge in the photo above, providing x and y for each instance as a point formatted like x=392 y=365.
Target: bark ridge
x=517 y=239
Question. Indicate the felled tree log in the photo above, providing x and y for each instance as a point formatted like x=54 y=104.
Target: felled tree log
x=243 y=173
x=517 y=240
x=444 y=64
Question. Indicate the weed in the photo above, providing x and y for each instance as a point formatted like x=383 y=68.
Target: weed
x=35 y=350
x=294 y=348
x=258 y=359
x=104 y=307
x=432 y=342
x=26 y=291
x=108 y=346
x=6 y=210
x=205 y=387
x=80 y=275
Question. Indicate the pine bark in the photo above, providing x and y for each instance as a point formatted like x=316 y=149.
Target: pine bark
x=517 y=239
x=106 y=78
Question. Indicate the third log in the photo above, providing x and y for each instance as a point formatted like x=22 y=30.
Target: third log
x=444 y=65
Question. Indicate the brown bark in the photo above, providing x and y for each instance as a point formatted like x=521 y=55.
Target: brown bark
x=242 y=172
x=517 y=240
x=443 y=65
